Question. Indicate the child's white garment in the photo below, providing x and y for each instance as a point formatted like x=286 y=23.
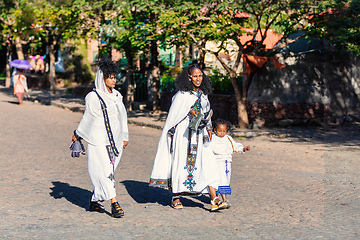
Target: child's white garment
x=223 y=149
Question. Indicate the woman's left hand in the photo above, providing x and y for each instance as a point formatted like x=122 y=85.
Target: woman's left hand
x=125 y=143
x=210 y=134
x=73 y=138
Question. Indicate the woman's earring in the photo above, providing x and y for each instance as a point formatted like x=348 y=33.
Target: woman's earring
x=189 y=78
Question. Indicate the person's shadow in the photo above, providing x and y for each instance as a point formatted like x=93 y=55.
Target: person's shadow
x=75 y=195
x=141 y=192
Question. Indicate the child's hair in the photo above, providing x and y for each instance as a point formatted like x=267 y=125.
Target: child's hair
x=108 y=67
x=220 y=121
x=183 y=84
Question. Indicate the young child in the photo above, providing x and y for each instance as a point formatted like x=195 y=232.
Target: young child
x=223 y=147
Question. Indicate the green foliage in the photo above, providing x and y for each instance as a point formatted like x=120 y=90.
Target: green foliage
x=167 y=79
x=221 y=83
x=338 y=22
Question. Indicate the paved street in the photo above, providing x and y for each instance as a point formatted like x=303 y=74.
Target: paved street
x=302 y=186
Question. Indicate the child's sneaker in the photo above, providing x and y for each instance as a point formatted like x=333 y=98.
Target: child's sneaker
x=228 y=204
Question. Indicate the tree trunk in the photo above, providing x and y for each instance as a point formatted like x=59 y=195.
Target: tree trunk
x=130 y=79
x=201 y=59
x=19 y=49
x=52 y=67
x=153 y=80
x=243 y=120
x=8 y=73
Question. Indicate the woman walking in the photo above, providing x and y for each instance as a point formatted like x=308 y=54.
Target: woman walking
x=184 y=161
x=20 y=86
x=104 y=127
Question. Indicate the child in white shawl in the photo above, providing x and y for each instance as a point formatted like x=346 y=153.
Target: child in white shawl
x=223 y=147
x=107 y=134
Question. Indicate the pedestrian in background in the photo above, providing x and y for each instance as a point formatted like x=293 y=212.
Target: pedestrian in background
x=184 y=162
x=104 y=127
x=20 y=85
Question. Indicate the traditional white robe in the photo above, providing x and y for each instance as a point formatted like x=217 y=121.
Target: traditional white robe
x=92 y=129
x=223 y=149
x=170 y=169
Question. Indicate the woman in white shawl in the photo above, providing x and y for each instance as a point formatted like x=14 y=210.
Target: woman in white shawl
x=184 y=162
x=107 y=134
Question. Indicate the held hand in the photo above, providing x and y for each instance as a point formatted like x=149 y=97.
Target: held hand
x=193 y=113
x=126 y=143
x=210 y=134
x=74 y=138
x=247 y=148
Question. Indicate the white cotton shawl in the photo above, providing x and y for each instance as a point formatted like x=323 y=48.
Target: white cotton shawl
x=224 y=147
x=92 y=127
x=180 y=107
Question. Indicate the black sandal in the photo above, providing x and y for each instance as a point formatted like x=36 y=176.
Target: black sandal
x=94 y=206
x=116 y=210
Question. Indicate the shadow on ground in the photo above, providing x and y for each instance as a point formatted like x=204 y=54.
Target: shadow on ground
x=141 y=192
x=75 y=195
x=347 y=134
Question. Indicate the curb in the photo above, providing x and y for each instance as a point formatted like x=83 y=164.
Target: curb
x=58 y=103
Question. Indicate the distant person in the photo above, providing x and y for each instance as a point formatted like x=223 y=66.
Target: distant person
x=104 y=127
x=31 y=60
x=20 y=85
x=39 y=66
x=184 y=162
x=223 y=147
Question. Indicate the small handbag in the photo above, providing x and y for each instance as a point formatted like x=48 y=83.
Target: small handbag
x=200 y=121
x=77 y=148
x=195 y=122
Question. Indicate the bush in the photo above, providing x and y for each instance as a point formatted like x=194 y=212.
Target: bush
x=167 y=79
x=221 y=83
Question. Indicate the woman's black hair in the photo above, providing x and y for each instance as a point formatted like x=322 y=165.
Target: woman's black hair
x=108 y=67
x=183 y=84
x=220 y=121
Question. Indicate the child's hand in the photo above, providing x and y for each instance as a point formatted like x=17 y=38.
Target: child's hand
x=193 y=113
x=126 y=143
x=247 y=148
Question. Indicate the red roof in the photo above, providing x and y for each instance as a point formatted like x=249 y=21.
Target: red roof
x=271 y=37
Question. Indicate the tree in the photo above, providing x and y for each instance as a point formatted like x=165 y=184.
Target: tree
x=338 y=23
x=59 y=20
x=16 y=18
x=223 y=22
x=125 y=29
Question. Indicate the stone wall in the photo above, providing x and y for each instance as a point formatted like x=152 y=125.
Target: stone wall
x=313 y=85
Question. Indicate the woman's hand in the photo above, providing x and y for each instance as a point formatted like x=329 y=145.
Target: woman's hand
x=125 y=143
x=247 y=148
x=74 y=139
x=193 y=113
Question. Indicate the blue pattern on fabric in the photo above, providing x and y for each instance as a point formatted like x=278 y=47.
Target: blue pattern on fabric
x=192 y=149
x=224 y=190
